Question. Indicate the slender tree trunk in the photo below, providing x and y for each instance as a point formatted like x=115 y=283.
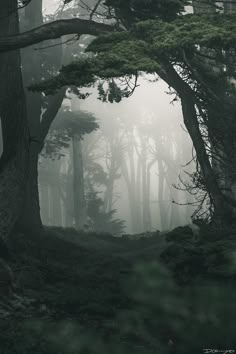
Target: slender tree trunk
x=69 y=213
x=162 y=206
x=148 y=191
x=44 y=198
x=146 y=177
x=78 y=184
x=14 y=160
x=108 y=195
x=135 y=221
x=145 y=216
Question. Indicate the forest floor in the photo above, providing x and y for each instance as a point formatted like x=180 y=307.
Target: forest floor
x=82 y=293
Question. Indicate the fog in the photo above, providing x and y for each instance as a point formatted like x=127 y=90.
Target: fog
x=148 y=117
x=128 y=175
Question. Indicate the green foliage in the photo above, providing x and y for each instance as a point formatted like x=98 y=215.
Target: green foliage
x=192 y=258
x=67 y=125
x=69 y=76
x=129 y=10
x=103 y=221
x=95 y=174
x=143 y=48
x=75 y=123
x=125 y=57
x=214 y=31
x=113 y=93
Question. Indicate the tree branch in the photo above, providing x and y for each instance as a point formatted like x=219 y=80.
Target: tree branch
x=53 y=30
x=50 y=113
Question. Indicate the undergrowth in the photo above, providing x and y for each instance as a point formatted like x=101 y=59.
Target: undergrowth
x=86 y=294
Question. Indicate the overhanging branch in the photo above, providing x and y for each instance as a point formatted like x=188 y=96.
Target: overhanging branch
x=53 y=30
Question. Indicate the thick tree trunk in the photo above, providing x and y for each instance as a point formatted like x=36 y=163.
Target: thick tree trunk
x=78 y=184
x=223 y=163
x=30 y=220
x=223 y=208
x=14 y=160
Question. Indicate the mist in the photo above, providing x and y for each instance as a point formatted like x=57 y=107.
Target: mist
x=144 y=133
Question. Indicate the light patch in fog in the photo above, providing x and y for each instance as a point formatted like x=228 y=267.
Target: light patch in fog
x=150 y=101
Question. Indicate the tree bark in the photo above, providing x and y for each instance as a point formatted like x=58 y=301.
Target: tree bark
x=14 y=160
x=30 y=220
x=222 y=207
x=52 y=30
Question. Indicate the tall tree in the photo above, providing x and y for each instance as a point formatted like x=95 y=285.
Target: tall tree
x=14 y=160
x=31 y=17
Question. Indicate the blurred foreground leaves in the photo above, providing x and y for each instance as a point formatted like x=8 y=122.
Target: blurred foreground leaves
x=118 y=304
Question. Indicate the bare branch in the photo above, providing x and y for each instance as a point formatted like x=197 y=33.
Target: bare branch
x=94 y=9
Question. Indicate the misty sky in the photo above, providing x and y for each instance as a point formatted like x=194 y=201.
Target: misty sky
x=50 y=5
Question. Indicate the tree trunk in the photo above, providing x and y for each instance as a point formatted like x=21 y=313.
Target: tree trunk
x=78 y=184
x=14 y=160
x=30 y=220
x=56 y=205
x=134 y=208
x=146 y=176
x=222 y=206
x=222 y=210
x=162 y=206
x=108 y=195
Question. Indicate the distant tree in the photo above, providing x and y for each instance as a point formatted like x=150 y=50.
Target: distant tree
x=103 y=221
x=68 y=130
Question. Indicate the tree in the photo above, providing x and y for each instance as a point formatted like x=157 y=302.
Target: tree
x=42 y=64
x=14 y=160
x=67 y=132
x=170 y=47
x=158 y=39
